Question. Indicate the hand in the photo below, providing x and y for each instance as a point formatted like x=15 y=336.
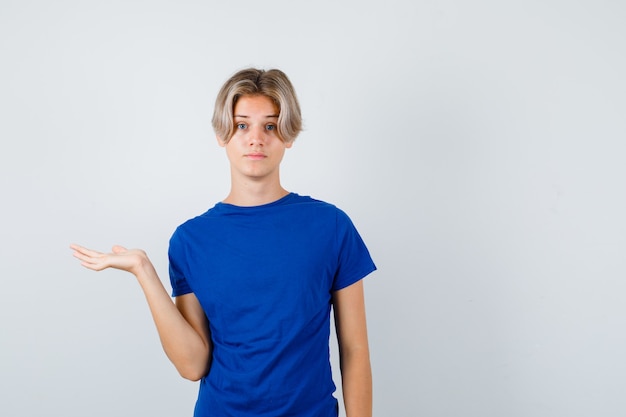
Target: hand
x=130 y=260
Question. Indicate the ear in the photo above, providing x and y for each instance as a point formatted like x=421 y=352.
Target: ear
x=288 y=144
x=220 y=141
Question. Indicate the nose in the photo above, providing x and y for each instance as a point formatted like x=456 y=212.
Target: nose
x=258 y=135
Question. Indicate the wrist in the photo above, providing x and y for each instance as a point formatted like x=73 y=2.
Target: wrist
x=143 y=269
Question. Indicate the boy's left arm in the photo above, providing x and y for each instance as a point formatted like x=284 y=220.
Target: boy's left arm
x=356 y=372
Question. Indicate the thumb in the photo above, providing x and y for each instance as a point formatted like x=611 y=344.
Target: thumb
x=117 y=249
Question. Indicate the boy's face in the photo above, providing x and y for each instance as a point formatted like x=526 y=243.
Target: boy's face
x=255 y=150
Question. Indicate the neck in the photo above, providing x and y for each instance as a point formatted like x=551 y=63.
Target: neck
x=254 y=194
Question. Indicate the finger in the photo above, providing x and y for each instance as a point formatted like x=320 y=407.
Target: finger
x=93 y=266
x=76 y=247
x=97 y=263
x=85 y=251
x=87 y=255
x=87 y=259
x=119 y=249
x=90 y=259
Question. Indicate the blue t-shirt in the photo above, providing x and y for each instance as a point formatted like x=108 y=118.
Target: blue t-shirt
x=264 y=276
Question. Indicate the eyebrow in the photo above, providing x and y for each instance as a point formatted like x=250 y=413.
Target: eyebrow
x=245 y=117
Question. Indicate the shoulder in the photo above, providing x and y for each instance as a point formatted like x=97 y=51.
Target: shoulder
x=195 y=224
x=315 y=204
x=323 y=205
x=323 y=214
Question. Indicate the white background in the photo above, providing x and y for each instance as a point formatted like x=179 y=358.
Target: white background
x=478 y=146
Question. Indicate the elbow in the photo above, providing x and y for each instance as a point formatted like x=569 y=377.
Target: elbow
x=194 y=370
x=193 y=373
x=191 y=376
x=355 y=355
x=191 y=364
x=357 y=350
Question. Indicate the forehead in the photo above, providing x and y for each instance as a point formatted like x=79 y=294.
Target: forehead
x=257 y=105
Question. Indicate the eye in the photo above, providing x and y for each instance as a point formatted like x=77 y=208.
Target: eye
x=270 y=127
x=241 y=126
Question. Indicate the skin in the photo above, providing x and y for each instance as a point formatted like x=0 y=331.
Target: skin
x=255 y=152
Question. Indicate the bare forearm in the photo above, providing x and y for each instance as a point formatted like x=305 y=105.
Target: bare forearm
x=184 y=337
x=187 y=350
x=356 y=377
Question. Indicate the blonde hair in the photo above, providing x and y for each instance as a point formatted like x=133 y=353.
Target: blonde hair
x=272 y=83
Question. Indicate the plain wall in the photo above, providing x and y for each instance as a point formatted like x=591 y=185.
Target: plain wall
x=478 y=146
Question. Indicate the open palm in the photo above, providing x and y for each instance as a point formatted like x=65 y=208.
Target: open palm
x=120 y=258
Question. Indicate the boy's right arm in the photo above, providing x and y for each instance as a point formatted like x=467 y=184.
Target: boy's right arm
x=192 y=311
x=182 y=327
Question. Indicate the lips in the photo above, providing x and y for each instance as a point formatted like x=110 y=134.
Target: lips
x=255 y=155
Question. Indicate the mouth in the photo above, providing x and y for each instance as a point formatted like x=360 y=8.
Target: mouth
x=255 y=156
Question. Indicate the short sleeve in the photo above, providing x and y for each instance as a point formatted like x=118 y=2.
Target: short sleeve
x=176 y=255
x=354 y=260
